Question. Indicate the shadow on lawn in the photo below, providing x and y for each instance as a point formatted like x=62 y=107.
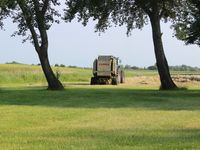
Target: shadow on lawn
x=104 y=98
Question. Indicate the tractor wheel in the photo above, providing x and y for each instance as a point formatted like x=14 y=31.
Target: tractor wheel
x=114 y=81
x=93 y=81
x=122 y=80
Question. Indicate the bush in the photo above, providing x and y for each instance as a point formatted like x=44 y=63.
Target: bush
x=152 y=67
x=61 y=65
x=56 y=65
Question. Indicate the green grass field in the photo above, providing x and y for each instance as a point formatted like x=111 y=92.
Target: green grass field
x=84 y=117
x=17 y=74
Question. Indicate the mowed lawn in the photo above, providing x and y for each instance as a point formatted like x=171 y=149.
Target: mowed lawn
x=84 y=117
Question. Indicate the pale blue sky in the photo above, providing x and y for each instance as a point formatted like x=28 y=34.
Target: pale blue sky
x=73 y=44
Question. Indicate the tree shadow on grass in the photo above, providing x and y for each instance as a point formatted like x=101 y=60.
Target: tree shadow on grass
x=103 y=98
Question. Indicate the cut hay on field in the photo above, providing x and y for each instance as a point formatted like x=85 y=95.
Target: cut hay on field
x=188 y=81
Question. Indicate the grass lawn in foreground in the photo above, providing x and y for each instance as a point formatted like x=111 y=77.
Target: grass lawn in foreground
x=99 y=117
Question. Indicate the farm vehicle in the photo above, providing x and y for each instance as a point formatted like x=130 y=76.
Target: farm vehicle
x=106 y=70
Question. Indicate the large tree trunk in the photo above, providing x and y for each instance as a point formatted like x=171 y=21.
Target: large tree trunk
x=41 y=46
x=161 y=61
x=53 y=82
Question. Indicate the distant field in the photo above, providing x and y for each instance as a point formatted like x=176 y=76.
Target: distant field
x=14 y=74
x=29 y=75
x=130 y=116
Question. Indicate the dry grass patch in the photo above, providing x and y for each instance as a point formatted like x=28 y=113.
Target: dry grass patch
x=187 y=81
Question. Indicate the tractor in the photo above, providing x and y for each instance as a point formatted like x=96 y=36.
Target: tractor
x=106 y=70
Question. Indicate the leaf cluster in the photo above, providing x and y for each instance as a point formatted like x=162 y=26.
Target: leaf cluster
x=5 y=5
x=187 y=26
x=32 y=13
x=132 y=13
x=106 y=12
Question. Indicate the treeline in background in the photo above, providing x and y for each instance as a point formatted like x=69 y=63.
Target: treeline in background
x=172 y=68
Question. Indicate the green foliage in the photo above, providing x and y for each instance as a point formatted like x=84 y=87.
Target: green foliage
x=56 y=65
x=177 y=68
x=154 y=67
x=184 y=68
x=188 y=23
x=13 y=62
x=106 y=12
x=99 y=119
x=5 y=5
x=131 y=67
x=27 y=15
x=61 y=65
x=132 y=13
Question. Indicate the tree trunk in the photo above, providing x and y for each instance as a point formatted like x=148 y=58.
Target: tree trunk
x=53 y=82
x=161 y=61
x=41 y=46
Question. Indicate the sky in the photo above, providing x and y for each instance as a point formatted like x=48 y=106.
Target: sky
x=73 y=44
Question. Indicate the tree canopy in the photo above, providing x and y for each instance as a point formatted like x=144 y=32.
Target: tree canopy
x=34 y=15
x=187 y=26
x=5 y=5
x=132 y=13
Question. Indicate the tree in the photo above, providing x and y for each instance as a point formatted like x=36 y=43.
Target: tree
x=133 y=14
x=187 y=26
x=4 y=5
x=37 y=16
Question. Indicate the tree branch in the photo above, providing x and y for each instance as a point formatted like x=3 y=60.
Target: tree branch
x=28 y=19
x=40 y=17
x=144 y=6
x=45 y=6
x=36 y=6
x=163 y=10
